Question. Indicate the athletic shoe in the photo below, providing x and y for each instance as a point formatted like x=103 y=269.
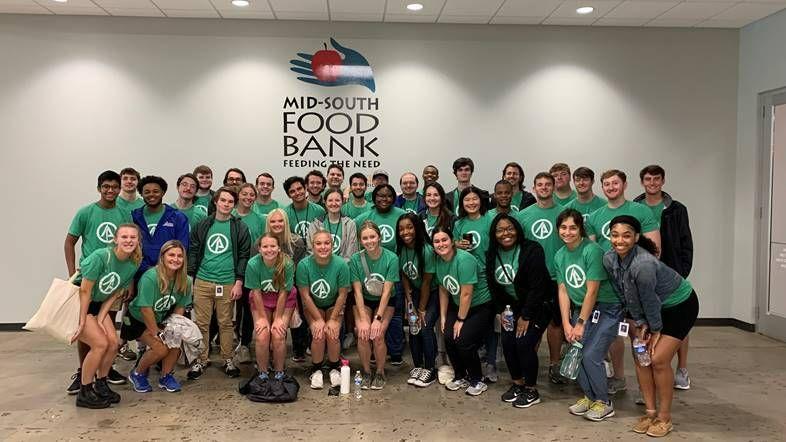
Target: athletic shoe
x=169 y=383
x=491 y=373
x=279 y=375
x=76 y=382
x=317 y=380
x=103 y=391
x=426 y=378
x=242 y=354
x=335 y=377
x=513 y=393
x=263 y=376
x=230 y=369
x=126 y=353
x=197 y=368
x=349 y=340
x=643 y=424
x=445 y=374
x=639 y=399
x=88 y=398
x=140 y=382
x=528 y=399
x=115 y=378
x=396 y=360
x=378 y=382
x=599 y=411
x=414 y=374
x=681 y=379
x=365 y=384
x=457 y=384
x=616 y=385
x=581 y=407
x=554 y=375
x=477 y=389
x=659 y=428
x=299 y=358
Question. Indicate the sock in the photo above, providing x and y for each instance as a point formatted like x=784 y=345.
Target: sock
x=317 y=366
x=334 y=365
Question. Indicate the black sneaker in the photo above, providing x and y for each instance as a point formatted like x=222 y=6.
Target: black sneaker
x=88 y=398
x=103 y=391
x=76 y=383
x=299 y=358
x=529 y=398
x=115 y=378
x=126 y=353
x=426 y=378
x=554 y=376
x=197 y=368
x=513 y=393
x=230 y=369
x=396 y=360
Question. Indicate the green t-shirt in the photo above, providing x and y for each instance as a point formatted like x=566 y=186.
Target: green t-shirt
x=218 y=263
x=264 y=209
x=479 y=230
x=430 y=222
x=97 y=226
x=408 y=261
x=585 y=263
x=657 y=210
x=299 y=220
x=455 y=208
x=463 y=269
x=505 y=266
x=323 y=282
x=516 y=201
x=384 y=269
x=599 y=221
x=386 y=223
x=679 y=296
x=350 y=210
x=149 y=295
x=586 y=208
x=260 y=277
x=492 y=213
x=193 y=214
x=256 y=226
x=152 y=218
x=411 y=206
x=566 y=200
x=129 y=206
x=203 y=202
x=107 y=272
x=335 y=232
x=541 y=225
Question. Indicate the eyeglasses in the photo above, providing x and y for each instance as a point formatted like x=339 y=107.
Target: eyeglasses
x=501 y=230
x=109 y=187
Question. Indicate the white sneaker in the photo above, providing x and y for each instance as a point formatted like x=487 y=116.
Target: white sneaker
x=681 y=379
x=457 y=384
x=445 y=374
x=317 y=380
x=477 y=389
x=335 y=378
x=491 y=373
x=414 y=374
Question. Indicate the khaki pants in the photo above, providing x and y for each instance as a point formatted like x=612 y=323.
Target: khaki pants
x=205 y=301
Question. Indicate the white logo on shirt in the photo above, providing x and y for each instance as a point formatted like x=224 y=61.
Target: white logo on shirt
x=164 y=303
x=606 y=231
x=320 y=289
x=575 y=276
x=106 y=232
x=475 y=240
x=302 y=229
x=542 y=228
x=451 y=285
x=387 y=233
x=267 y=286
x=411 y=270
x=152 y=229
x=217 y=243
x=202 y=208
x=336 y=243
x=109 y=283
x=502 y=272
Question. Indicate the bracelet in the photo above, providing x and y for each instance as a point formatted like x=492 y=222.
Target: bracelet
x=459 y=319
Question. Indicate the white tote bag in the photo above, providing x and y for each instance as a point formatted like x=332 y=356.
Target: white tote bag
x=59 y=312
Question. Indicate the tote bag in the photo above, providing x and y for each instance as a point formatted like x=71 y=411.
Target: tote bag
x=59 y=312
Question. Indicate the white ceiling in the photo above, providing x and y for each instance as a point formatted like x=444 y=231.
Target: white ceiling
x=669 y=13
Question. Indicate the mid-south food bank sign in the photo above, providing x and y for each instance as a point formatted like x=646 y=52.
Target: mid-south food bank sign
x=319 y=131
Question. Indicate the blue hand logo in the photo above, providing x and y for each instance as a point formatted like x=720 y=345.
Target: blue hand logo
x=340 y=67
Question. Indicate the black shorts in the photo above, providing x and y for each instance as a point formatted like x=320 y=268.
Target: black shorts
x=679 y=319
x=94 y=308
x=131 y=329
x=374 y=305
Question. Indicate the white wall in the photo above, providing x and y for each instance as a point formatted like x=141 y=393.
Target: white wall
x=79 y=95
x=762 y=68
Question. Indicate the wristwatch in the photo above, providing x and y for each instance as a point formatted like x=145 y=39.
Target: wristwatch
x=459 y=320
x=579 y=321
x=378 y=317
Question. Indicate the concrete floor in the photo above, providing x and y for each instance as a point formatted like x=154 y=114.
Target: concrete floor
x=34 y=372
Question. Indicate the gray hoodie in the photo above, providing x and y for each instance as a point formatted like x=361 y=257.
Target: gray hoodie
x=644 y=283
x=349 y=237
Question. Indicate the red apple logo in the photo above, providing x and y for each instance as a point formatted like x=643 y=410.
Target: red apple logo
x=325 y=64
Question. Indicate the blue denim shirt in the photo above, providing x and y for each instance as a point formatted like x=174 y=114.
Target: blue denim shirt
x=644 y=282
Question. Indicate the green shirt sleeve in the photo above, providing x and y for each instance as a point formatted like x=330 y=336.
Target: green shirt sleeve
x=648 y=221
x=342 y=275
x=590 y=225
x=593 y=256
x=77 y=227
x=559 y=266
x=94 y=264
x=356 y=272
x=253 y=279
x=467 y=269
x=148 y=290
x=301 y=275
x=392 y=273
x=429 y=266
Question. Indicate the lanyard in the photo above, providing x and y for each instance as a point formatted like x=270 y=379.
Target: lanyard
x=297 y=219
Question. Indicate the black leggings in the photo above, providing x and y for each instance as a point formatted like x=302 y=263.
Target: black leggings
x=463 y=352
x=521 y=354
x=244 y=322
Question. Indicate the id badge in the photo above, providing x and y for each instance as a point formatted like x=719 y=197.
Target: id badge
x=219 y=291
x=595 y=316
x=623 y=330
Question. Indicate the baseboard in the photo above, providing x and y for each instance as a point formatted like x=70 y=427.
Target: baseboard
x=726 y=322
x=12 y=326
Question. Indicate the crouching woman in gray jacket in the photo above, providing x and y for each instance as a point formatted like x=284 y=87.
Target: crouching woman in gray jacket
x=663 y=307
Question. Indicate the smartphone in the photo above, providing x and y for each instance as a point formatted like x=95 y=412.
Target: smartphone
x=467 y=237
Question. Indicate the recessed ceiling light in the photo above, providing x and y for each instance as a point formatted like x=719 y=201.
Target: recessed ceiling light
x=240 y=3
x=61 y=1
x=414 y=6
x=584 y=10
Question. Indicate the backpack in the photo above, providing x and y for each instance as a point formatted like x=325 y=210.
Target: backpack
x=270 y=390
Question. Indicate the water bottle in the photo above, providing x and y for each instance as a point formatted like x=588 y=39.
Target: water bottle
x=572 y=361
x=508 y=316
x=414 y=327
x=358 y=381
x=345 y=372
x=642 y=355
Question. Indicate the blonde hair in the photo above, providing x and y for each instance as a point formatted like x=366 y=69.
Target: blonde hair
x=285 y=237
x=136 y=255
x=368 y=224
x=280 y=265
x=180 y=277
x=320 y=232
x=247 y=185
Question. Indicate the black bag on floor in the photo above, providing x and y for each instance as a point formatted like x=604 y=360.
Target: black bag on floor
x=270 y=390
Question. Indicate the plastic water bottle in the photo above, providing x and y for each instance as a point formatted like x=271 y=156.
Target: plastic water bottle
x=358 y=381
x=572 y=361
x=642 y=355
x=414 y=327
x=507 y=315
x=345 y=373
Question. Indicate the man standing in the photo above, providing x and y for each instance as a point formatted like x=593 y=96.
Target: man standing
x=514 y=174
x=128 y=198
x=95 y=224
x=234 y=177
x=301 y=212
x=563 y=194
x=430 y=175
x=463 y=168
x=217 y=258
x=204 y=193
x=539 y=222
x=586 y=201
x=378 y=178
x=410 y=200
x=335 y=178
x=315 y=185
x=186 y=192
x=265 y=202
x=676 y=243
x=356 y=203
x=503 y=195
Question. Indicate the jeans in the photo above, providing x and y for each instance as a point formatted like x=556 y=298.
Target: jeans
x=424 y=344
x=463 y=351
x=521 y=354
x=394 y=336
x=597 y=340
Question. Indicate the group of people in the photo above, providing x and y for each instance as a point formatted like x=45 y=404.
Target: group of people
x=343 y=263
